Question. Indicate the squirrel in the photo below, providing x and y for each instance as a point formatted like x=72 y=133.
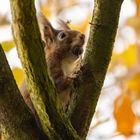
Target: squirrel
x=63 y=50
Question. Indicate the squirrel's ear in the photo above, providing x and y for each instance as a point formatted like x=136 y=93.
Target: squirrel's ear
x=48 y=30
x=63 y=24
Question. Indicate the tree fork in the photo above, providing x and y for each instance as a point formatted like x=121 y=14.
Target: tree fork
x=31 y=52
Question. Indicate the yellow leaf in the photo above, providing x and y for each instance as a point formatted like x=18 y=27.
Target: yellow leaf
x=124 y=115
x=134 y=22
x=46 y=9
x=127 y=57
x=7 y=45
x=134 y=83
x=137 y=7
x=18 y=75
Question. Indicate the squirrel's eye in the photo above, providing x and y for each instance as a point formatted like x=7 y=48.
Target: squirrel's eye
x=62 y=35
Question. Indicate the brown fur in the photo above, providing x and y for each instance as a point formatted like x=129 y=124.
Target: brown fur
x=62 y=49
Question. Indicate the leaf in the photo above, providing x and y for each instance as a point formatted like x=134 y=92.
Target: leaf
x=3 y=20
x=18 y=75
x=134 y=21
x=124 y=115
x=127 y=57
x=7 y=45
x=137 y=7
x=134 y=83
x=46 y=9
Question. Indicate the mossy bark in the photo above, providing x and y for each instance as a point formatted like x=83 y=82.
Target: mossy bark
x=94 y=67
x=55 y=124
x=16 y=122
x=42 y=91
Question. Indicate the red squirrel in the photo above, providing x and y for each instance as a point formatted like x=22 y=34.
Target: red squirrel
x=63 y=48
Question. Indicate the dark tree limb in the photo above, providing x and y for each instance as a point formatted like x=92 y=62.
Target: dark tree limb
x=31 y=52
x=97 y=57
x=16 y=122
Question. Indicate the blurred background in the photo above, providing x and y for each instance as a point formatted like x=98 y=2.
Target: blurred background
x=117 y=114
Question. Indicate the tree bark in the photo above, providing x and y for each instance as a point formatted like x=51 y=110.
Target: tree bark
x=55 y=124
x=16 y=122
x=42 y=91
x=94 y=67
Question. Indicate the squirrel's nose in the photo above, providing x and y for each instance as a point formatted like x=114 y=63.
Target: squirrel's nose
x=82 y=36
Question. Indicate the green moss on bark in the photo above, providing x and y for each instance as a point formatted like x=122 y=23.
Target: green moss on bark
x=94 y=67
x=42 y=91
x=16 y=122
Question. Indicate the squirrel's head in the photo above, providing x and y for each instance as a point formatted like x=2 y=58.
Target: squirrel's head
x=64 y=41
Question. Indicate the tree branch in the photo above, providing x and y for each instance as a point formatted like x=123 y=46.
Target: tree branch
x=94 y=67
x=31 y=52
x=15 y=119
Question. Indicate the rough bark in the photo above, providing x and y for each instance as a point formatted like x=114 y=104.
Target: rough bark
x=94 y=67
x=31 y=52
x=16 y=122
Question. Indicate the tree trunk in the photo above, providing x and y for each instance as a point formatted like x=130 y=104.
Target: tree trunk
x=95 y=63
x=17 y=123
